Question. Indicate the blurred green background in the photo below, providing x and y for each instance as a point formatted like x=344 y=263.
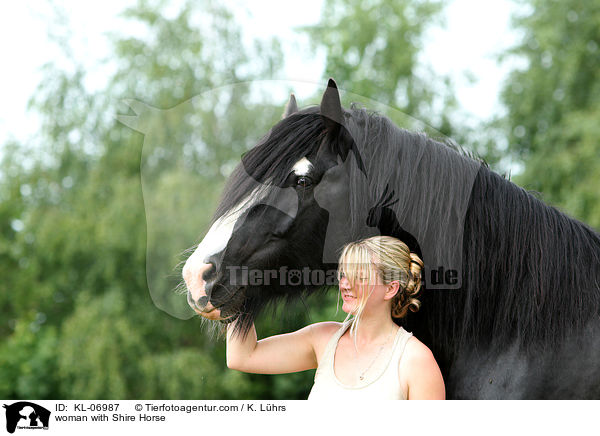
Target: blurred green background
x=77 y=320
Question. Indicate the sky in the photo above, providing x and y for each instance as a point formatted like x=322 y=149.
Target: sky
x=474 y=33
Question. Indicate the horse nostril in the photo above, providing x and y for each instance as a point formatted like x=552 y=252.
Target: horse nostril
x=202 y=302
x=199 y=304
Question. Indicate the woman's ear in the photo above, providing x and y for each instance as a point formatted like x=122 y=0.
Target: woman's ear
x=391 y=290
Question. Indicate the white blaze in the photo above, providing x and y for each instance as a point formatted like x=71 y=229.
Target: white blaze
x=302 y=167
x=220 y=232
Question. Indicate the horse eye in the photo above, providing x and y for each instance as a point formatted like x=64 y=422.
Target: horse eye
x=304 y=181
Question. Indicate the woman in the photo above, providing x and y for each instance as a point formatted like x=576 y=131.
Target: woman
x=367 y=355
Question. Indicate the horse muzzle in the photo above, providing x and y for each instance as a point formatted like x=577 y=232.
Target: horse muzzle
x=204 y=308
x=194 y=277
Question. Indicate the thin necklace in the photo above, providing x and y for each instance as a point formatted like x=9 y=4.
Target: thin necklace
x=361 y=376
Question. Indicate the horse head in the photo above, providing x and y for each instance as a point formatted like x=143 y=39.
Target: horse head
x=283 y=215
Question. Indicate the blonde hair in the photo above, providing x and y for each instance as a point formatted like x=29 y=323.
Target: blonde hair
x=390 y=259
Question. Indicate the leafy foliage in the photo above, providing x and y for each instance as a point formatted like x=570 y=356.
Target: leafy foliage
x=554 y=104
x=79 y=320
x=373 y=50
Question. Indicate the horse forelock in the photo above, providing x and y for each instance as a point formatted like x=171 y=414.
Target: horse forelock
x=274 y=157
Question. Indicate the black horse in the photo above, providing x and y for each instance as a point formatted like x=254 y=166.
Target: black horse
x=511 y=303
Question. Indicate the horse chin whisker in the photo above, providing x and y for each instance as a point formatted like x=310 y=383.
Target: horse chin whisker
x=181 y=288
x=185 y=254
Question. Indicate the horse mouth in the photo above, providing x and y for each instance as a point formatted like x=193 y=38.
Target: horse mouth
x=207 y=310
x=213 y=313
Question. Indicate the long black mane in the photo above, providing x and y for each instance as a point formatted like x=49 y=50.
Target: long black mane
x=530 y=273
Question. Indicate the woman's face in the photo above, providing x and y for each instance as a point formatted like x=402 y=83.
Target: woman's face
x=362 y=289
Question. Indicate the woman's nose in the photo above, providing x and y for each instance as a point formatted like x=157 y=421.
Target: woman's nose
x=344 y=283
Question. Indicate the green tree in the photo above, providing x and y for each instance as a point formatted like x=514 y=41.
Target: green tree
x=372 y=49
x=553 y=104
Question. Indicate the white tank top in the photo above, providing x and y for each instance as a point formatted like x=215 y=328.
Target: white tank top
x=386 y=385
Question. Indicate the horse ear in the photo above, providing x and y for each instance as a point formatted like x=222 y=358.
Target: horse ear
x=290 y=108
x=331 y=112
x=331 y=108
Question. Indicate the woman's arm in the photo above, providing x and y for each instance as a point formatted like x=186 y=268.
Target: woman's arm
x=290 y=352
x=423 y=376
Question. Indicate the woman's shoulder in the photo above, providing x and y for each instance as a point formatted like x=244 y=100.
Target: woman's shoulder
x=419 y=372
x=325 y=329
x=321 y=333
x=416 y=352
x=415 y=357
